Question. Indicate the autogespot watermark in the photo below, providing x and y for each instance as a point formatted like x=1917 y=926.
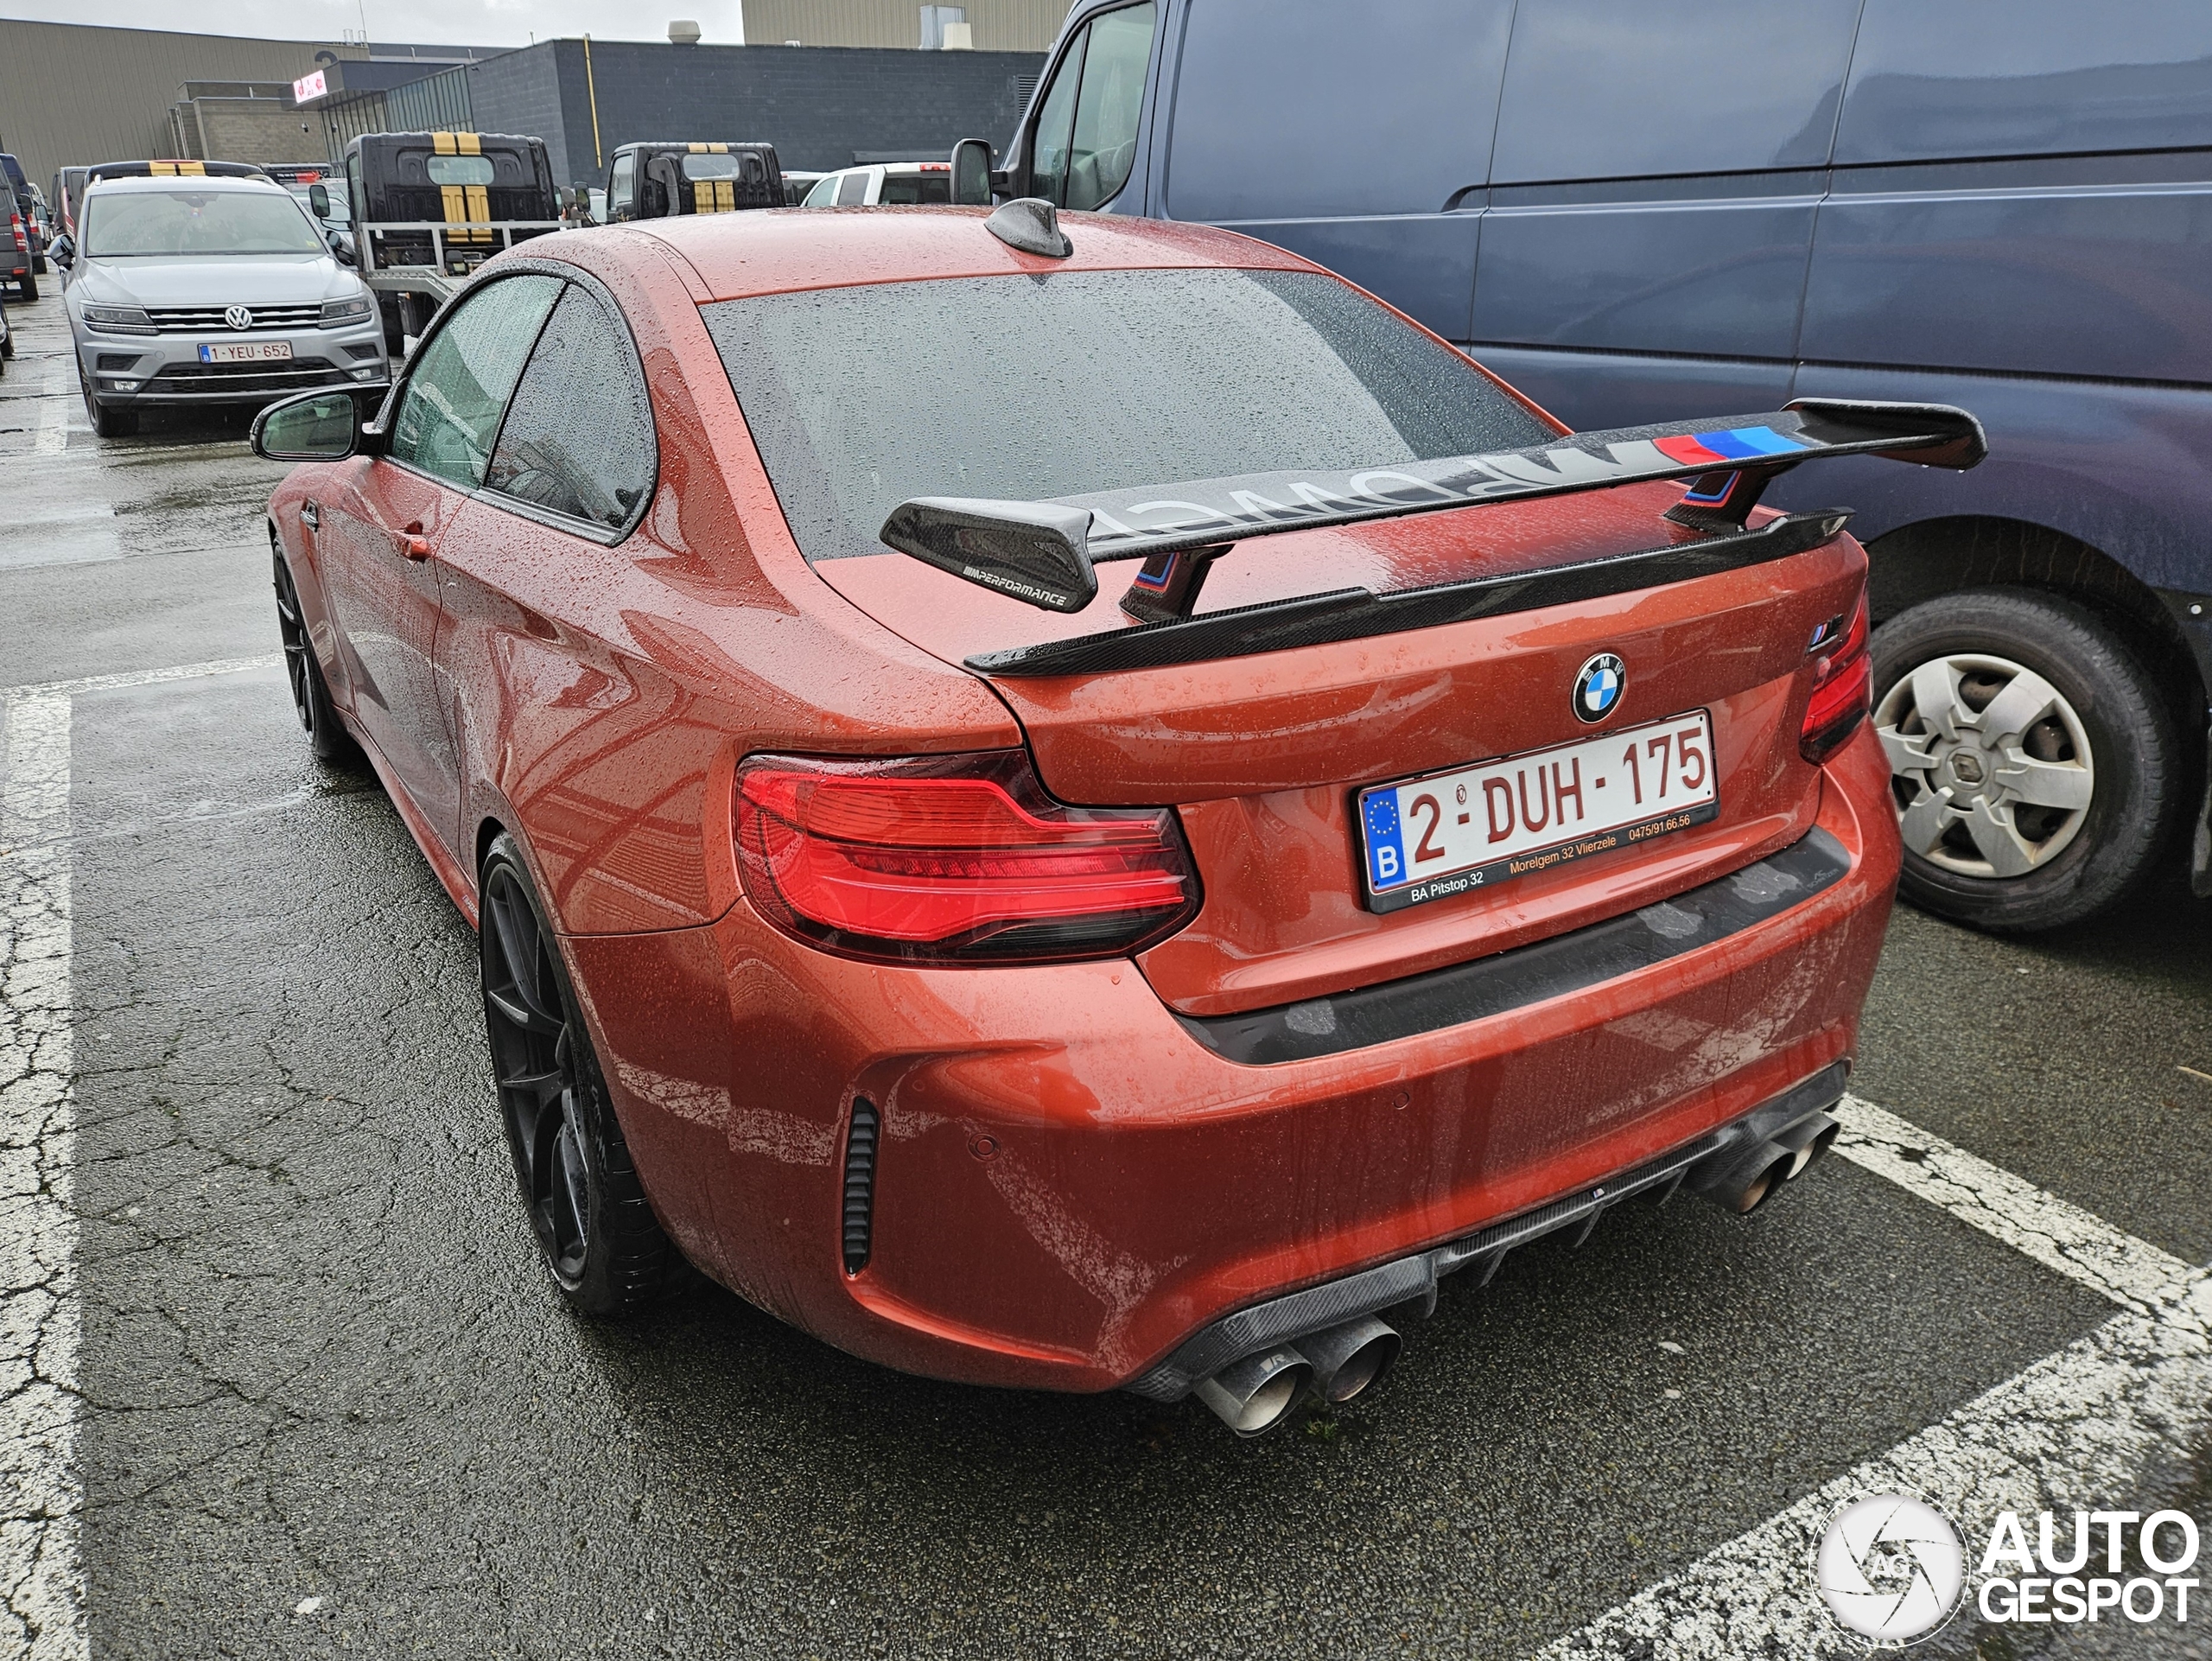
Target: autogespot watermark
x=1892 y=1569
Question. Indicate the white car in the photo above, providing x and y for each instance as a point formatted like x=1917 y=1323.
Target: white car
x=887 y=183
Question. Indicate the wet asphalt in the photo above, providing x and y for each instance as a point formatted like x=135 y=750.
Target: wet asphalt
x=319 y=1360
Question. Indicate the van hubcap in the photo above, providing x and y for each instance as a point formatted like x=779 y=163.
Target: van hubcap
x=1990 y=768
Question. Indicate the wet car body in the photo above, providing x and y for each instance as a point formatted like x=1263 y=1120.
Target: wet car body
x=1075 y=1169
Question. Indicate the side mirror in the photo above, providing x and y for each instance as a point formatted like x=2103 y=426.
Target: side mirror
x=312 y=427
x=319 y=200
x=341 y=249
x=971 y=173
x=62 y=251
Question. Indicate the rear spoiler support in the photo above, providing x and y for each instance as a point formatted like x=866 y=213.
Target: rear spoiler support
x=1046 y=553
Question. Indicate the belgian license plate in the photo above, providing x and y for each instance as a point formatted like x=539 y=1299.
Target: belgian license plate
x=245 y=352
x=1474 y=827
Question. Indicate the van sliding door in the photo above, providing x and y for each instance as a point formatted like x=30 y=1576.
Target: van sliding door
x=1651 y=206
x=1356 y=135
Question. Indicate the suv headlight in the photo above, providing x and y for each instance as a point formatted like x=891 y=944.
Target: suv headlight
x=338 y=312
x=118 y=320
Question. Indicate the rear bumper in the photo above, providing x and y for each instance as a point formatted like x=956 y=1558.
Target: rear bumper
x=1069 y=1186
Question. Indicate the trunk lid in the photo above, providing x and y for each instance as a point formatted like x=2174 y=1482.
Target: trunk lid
x=1263 y=755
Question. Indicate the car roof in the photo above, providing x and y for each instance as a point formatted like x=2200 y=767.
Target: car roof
x=197 y=182
x=782 y=250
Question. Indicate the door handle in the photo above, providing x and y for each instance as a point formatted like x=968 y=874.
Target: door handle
x=412 y=542
x=310 y=516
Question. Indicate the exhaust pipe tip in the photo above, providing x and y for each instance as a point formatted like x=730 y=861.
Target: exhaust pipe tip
x=1808 y=1140
x=1743 y=1180
x=1255 y=1395
x=1349 y=1357
x=1747 y=1179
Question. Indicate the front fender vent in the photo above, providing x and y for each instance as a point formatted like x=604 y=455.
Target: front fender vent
x=860 y=1183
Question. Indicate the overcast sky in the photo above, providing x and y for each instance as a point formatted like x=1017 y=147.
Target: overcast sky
x=464 y=22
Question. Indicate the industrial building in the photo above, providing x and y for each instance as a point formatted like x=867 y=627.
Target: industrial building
x=822 y=107
x=830 y=82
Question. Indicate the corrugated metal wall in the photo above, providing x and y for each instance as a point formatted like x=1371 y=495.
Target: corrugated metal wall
x=436 y=103
x=997 y=25
x=71 y=94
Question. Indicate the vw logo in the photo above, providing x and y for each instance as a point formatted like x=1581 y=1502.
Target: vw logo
x=238 y=317
x=1598 y=688
x=1891 y=1568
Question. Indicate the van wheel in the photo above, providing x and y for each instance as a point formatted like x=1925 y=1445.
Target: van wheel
x=2033 y=765
x=27 y=286
x=596 y=1229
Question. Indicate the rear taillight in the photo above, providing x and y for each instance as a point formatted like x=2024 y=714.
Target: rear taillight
x=958 y=859
x=16 y=223
x=1841 y=679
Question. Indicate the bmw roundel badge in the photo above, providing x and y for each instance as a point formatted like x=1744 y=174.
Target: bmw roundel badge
x=1597 y=689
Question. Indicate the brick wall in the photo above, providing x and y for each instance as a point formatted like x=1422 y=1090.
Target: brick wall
x=256 y=129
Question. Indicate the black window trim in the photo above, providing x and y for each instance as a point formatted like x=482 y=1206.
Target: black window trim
x=605 y=535
x=1078 y=31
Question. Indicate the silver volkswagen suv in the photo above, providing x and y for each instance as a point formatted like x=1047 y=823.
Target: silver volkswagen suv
x=210 y=291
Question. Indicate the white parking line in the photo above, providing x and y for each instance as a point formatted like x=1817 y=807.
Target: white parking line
x=42 y=1494
x=54 y=413
x=2076 y=1427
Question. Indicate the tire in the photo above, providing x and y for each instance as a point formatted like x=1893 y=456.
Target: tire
x=107 y=421
x=596 y=1230
x=27 y=286
x=2064 y=820
x=38 y=265
x=326 y=736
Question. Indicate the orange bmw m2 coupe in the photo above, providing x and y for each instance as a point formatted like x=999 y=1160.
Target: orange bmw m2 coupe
x=1077 y=803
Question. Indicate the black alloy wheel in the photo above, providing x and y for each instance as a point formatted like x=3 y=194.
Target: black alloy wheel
x=596 y=1229
x=327 y=735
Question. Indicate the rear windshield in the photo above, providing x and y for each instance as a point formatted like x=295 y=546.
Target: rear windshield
x=123 y=224
x=739 y=164
x=1033 y=387
x=913 y=189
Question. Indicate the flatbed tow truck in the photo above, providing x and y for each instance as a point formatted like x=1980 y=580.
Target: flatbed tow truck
x=429 y=208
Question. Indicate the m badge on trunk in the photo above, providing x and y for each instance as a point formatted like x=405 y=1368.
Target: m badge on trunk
x=1597 y=689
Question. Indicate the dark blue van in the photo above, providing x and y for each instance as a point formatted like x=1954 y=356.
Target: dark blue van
x=1641 y=212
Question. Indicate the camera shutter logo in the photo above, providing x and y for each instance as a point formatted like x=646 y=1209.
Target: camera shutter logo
x=1891 y=1567
x=238 y=317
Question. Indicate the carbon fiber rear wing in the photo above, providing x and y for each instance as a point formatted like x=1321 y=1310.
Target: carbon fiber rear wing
x=1046 y=553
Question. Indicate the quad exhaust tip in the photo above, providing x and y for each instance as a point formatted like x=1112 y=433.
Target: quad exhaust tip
x=1255 y=1394
x=1742 y=1179
x=1348 y=1358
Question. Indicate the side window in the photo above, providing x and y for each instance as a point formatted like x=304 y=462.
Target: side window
x=823 y=193
x=622 y=187
x=1048 y=143
x=1105 y=144
x=579 y=440
x=456 y=392
x=852 y=189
